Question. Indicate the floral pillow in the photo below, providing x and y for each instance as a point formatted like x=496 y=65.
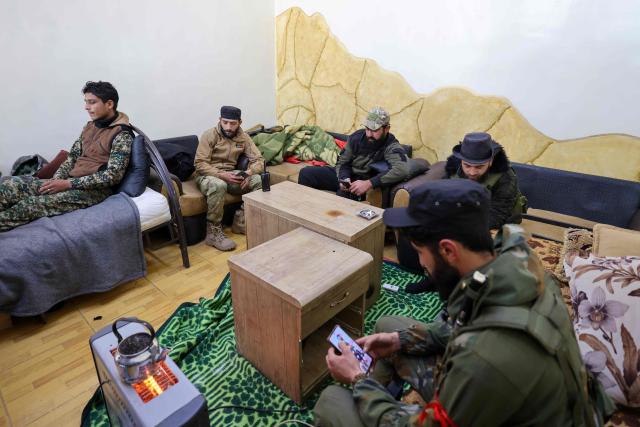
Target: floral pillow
x=605 y=299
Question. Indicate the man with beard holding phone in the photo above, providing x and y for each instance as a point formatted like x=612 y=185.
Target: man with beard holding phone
x=503 y=352
x=352 y=176
x=216 y=169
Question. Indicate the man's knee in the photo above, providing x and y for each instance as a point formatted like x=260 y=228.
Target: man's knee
x=305 y=177
x=393 y=323
x=336 y=407
x=210 y=186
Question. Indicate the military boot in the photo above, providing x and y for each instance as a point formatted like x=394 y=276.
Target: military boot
x=217 y=239
x=239 y=226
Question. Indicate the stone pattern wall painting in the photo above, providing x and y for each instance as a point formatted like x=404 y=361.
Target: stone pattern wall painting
x=319 y=82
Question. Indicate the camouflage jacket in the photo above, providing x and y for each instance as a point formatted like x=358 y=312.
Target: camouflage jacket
x=489 y=376
x=108 y=176
x=359 y=154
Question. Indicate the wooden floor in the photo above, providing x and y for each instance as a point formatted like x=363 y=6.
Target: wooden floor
x=46 y=370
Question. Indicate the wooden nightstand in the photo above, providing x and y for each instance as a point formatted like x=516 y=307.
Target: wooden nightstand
x=288 y=294
x=289 y=205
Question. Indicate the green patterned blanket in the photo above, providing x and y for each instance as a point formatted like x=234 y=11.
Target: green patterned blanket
x=203 y=345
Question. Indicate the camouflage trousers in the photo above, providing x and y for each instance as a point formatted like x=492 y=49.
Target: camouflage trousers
x=336 y=406
x=21 y=201
x=214 y=190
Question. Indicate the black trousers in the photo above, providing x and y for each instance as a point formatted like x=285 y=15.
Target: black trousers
x=325 y=178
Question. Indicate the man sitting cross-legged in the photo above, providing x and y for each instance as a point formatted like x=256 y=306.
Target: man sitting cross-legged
x=503 y=353
x=97 y=161
x=215 y=162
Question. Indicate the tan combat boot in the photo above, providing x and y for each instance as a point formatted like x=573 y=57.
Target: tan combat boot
x=238 y=226
x=217 y=239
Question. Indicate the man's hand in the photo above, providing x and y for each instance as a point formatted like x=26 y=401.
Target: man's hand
x=360 y=187
x=53 y=186
x=231 y=178
x=380 y=345
x=343 y=367
x=246 y=181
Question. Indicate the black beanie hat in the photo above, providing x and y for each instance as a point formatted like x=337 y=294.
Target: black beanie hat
x=230 y=113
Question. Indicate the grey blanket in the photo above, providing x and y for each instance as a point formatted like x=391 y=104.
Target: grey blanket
x=84 y=251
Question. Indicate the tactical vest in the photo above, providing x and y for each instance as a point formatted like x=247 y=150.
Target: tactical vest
x=547 y=322
x=521 y=204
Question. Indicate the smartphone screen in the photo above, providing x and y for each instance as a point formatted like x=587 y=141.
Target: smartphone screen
x=338 y=335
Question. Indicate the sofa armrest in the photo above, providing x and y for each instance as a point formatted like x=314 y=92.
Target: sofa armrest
x=400 y=193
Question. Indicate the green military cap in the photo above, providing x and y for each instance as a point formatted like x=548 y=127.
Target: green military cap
x=376 y=118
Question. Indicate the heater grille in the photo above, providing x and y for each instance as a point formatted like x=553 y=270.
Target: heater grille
x=156 y=384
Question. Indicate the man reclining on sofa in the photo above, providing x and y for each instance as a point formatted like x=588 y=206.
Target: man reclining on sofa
x=479 y=158
x=97 y=161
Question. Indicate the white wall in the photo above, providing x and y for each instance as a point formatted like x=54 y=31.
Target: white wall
x=174 y=64
x=572 y=67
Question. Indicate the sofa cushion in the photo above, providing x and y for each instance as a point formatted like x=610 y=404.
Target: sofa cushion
x=595 y=198
x=192 y=201
x=285 y=172
x=604 y=295
x=614 y=241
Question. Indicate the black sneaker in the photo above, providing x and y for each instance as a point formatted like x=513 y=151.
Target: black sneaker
x=425 y=285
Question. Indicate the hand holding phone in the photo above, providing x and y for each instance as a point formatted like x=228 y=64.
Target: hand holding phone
x=345 y=182
x=338 y=335
x=241 y=174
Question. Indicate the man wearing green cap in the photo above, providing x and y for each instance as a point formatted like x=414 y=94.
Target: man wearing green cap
x=503 y=353
x=216 y=172
x=352 y=176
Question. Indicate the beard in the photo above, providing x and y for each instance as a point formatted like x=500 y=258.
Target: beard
x=229 y=133
x=445 y=277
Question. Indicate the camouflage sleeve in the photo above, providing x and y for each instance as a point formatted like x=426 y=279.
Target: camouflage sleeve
x=256 y=161
x=395 y=155
x=425 y=338
x=116 y=166
x=378 y=408
x=69 y=163
x=202 y=161
x=343 y=164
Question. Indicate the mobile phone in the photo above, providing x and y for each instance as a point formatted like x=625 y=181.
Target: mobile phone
x=339 y=335
x=243 y=174
x=345 y=182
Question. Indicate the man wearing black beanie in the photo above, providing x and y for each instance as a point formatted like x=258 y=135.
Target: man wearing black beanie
x=217 y=173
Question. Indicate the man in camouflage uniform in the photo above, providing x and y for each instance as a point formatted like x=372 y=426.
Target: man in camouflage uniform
x=504 y=352
x=97 y=161
x=217 y=173
x=352 y=177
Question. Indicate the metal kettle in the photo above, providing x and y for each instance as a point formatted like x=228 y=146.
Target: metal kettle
x=137 y=355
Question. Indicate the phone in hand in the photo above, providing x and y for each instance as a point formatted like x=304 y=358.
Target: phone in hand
x=338 y=335
x=345 y=182
x=241 y=174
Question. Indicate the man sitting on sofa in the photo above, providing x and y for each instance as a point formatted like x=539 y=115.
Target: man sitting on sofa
x=97 y=161
x=216 y=173
x=479 y=158
x=352 y=176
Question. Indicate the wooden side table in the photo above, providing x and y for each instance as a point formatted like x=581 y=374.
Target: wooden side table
x=289 y=205
x=288 y=294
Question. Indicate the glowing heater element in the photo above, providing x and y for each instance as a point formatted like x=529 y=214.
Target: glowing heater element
x=156 y=383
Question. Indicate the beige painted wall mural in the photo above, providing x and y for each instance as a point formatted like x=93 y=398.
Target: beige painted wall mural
x=321 y=83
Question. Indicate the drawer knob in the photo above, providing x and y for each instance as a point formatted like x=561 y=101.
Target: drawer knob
x=333 y=304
